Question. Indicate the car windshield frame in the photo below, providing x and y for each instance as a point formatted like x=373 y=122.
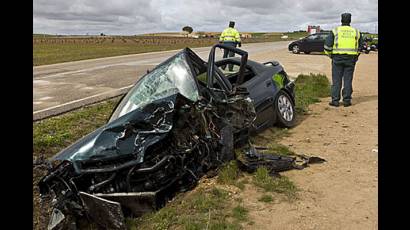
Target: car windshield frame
x=169 y=78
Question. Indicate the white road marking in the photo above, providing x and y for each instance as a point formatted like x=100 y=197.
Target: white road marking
x=45 y=98
x=87 y=88
x=79 y=100
x=40 y=82
x=81 y=71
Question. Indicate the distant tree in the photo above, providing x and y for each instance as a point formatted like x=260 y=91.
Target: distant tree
x=102 y=34
x=187 y=29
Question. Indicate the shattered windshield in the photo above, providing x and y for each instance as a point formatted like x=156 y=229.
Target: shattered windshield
x=170 y=78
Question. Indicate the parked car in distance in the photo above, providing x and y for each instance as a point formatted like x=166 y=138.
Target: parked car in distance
x=311 y=43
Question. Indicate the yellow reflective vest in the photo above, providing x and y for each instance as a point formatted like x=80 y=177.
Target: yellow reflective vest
x=230 y=34
x=346 y=40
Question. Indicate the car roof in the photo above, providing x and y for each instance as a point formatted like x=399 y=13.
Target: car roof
x=320 y=33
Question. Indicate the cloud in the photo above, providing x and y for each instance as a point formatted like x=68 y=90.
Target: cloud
x=141 y=16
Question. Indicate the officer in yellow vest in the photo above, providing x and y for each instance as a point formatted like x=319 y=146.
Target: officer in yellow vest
x=342 y=46
x=230 y=36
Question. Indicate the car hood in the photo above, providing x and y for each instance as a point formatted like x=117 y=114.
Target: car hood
x=130 y=134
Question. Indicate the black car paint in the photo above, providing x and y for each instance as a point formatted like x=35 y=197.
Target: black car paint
x=262 y=89
x=310 y=45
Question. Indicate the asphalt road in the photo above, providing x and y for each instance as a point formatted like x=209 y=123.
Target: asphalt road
x=58 y=88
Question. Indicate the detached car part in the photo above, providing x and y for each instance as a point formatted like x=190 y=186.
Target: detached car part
x=251 y=160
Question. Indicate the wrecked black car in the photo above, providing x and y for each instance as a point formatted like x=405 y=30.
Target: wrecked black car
x=180 y=121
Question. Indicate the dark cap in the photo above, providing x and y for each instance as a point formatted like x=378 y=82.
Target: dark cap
x=346 y=18
x=231 y=24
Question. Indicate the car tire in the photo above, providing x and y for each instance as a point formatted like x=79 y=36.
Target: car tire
x=285 y=110
x=306 y=52
x=295 y=49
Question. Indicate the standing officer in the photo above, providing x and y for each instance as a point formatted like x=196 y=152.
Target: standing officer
x=342 y=46
x=230 y=36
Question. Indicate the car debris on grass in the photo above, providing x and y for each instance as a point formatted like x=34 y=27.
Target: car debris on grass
x=166 y=133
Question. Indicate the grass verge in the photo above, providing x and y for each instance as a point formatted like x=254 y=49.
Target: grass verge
x=240 y=213
x=203 y=208
x=279 y=184
x=53 y=134
x=266 y=198
x=309 y=89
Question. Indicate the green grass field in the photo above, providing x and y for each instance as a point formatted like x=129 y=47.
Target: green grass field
x=199 y=209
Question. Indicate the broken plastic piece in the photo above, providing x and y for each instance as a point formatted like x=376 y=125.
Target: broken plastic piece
x=106 y=213
x=252 y=160
x=56 y=218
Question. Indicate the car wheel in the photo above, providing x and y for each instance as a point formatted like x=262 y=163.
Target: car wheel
x=295 y=49
x=285 y=110
x=306 y=52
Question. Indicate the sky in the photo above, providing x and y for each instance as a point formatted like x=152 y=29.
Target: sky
x=130 y=17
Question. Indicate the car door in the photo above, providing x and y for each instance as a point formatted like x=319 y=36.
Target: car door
x=316 y=43
x=309 y=43
x=260 y=87
x=320 y=43
x=304 y=44
x=261 y=90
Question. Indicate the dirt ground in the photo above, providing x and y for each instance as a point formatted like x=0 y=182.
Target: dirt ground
x=341 y=193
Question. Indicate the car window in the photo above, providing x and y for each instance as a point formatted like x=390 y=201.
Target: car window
x=225 y=70
x=323 y=36
x=312 y=37
x=203 y=78
x=232 y=76
x=172 y=77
